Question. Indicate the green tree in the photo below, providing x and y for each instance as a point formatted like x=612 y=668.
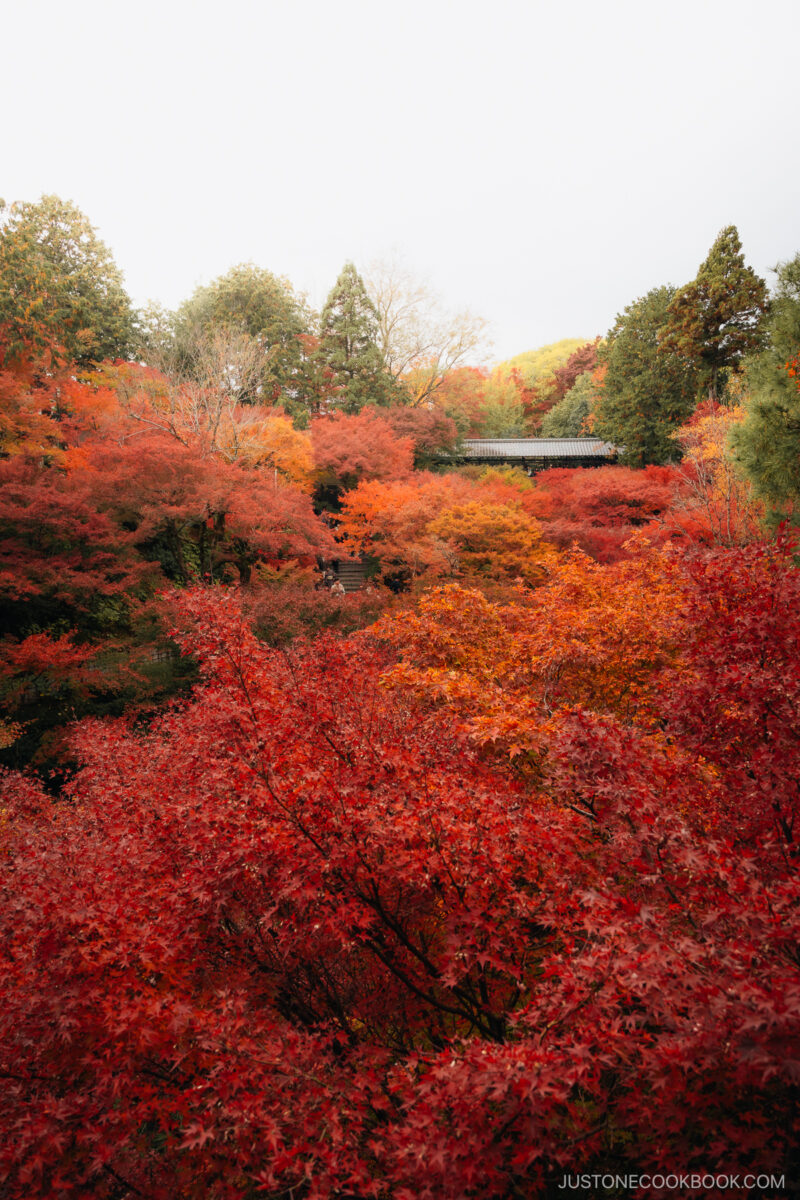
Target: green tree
x=251 y=301
x=59 y=285
x=648 y=391
x=767 y=443
x=348 y=349
x=717 y=319
x=567 y=418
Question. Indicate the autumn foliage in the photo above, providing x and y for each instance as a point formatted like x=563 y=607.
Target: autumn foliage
x=349 y=448
x=437 y=889
x=431 y=526
x=599 y=510
x=313 y=932
x=108 y=492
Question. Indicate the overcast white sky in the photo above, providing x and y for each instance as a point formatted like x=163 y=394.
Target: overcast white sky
x=542 y=162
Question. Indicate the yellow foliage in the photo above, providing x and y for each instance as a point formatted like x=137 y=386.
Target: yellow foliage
x=263 y=437
x=495 y=540
x=535 y=366
x=720 y=499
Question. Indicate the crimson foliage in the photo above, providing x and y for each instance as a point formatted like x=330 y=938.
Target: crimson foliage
x=302 y=937
x=599 y=509
x=56 y=549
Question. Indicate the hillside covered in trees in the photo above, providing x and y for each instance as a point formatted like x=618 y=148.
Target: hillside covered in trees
x=481 y=874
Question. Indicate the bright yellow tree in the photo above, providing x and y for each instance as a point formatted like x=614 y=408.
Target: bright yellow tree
x=720 y=505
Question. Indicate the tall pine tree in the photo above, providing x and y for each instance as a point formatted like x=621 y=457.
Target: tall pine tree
x=348 y=347
x=717 y=319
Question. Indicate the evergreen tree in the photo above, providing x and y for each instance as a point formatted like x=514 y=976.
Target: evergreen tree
x=348 y=347
x=717 y=319
x=249 y=300
x=648 y=391
x=59 y=285
x=567 y=418
x=767 y=443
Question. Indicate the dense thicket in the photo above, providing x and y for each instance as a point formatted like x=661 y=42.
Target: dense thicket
x=479 y=875
x=443 y=931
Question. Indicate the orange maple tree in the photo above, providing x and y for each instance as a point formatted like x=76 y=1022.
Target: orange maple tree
x=350 y=447
x=590 y=636
x=440 y=525
x=207 y=418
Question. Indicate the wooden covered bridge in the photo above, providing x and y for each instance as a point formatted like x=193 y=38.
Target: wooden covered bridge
x=531 y=454
x=535 y=454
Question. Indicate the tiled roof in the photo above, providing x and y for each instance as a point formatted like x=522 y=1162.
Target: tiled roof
x=537 y=448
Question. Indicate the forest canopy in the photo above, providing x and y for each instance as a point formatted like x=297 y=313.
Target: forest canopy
x=377 y=822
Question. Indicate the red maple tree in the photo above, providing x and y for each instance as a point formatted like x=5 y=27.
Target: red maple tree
x=305 y=933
